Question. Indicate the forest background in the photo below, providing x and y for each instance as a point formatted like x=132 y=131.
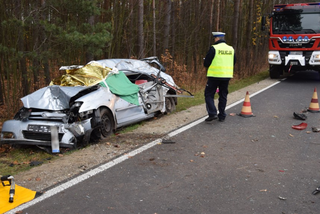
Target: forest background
x=39 y=36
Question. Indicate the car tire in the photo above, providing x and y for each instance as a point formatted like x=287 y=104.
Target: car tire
x=170 y=105
x=105 y=129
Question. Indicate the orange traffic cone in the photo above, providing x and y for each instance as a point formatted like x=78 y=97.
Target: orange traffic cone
x=314 y=105
x=246 y=108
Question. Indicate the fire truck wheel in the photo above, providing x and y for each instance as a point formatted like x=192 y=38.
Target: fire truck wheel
x=275 y=71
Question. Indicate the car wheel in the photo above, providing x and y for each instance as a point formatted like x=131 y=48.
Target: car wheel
x=170 y=105
x=106 y=126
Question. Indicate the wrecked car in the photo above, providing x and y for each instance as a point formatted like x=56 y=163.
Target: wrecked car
x=90 y=102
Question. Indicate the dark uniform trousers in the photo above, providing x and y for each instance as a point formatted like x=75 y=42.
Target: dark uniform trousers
x=212 y=84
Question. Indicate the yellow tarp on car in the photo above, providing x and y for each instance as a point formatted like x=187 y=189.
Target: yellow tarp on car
x=88 y=75
x=93 y=73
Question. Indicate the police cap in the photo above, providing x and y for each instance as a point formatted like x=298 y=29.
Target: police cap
x=218 y=34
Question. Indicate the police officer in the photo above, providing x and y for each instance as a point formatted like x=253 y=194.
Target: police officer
x=219 y=62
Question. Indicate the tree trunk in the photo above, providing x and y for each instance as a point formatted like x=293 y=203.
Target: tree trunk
x=45 y=46
x=140 y=30
x=173 y=30
x=154 y=27
x=89 y=55
x=36 y=60
x=166 y=32
x=22 y=60
x=218 y=15
x=1 y=80
x=131 y=30
x=210 y=22
x=235 y=24
x=249 y=32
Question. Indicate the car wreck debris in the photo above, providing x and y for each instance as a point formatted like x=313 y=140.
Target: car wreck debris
x=316 y=191
x=10 y=179
x=315 y=129
x=299 y=116
x=90 y=101
x=301 y=126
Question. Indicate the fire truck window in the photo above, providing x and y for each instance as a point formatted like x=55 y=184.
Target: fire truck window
x=296 y=23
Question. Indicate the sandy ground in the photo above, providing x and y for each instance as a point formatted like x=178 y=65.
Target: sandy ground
x=42 y=177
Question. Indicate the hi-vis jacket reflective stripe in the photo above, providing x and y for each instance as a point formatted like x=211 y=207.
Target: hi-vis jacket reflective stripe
x=223 y=61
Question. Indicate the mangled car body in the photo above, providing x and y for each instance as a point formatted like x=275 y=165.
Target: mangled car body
x=92 y=101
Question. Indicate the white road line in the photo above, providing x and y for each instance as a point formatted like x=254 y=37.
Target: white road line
x=116 y=161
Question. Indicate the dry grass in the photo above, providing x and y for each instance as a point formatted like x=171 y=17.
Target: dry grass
x=193 y=81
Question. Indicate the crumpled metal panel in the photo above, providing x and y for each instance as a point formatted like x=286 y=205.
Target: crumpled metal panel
x=51 y=97
x=134 y=65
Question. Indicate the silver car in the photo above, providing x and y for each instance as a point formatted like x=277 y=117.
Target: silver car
x=64 y=116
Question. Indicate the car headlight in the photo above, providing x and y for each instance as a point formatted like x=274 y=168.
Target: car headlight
x=23 y=114
x=75 y=107
x=85 y=113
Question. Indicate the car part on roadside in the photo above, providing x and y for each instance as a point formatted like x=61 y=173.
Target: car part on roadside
x=315 y=129
x=299 y=116
x=301 y=126
x=10 y=179
x=167 y=141
x=316 y=191
x=75 y=109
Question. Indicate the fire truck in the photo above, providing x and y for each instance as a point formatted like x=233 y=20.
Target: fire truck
x=294 y=42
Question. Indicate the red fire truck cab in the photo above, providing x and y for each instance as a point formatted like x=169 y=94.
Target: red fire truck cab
x=294 y=43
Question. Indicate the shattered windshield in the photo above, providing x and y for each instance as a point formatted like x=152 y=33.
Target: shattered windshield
x=296 y=23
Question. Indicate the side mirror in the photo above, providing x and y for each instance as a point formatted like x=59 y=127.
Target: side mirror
x=263 y=23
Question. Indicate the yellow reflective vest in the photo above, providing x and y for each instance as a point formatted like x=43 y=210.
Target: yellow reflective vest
x=223 y=61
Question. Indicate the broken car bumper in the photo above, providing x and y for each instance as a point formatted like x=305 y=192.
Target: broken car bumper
x=39 y=132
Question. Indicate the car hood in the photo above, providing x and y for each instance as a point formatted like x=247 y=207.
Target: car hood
x=52 y=97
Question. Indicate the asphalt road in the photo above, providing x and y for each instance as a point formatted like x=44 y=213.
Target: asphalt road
x=243 y=165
